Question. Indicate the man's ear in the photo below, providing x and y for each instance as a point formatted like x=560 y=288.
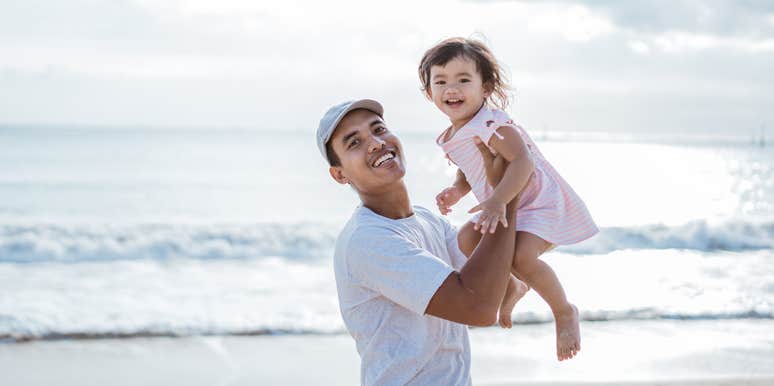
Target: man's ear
x=338 y=175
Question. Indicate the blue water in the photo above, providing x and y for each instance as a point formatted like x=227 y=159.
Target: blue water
x=107 y=232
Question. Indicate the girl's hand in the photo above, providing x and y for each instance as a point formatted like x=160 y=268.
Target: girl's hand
x=492 y=212
x=447 y=198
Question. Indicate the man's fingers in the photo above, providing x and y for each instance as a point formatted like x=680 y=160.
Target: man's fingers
x=475 y=209
x=488 y=157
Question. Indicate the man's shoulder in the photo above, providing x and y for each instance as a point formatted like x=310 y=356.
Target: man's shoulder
x=362 y=229
x=363 y=223
x=365 y=228
x=432 y=218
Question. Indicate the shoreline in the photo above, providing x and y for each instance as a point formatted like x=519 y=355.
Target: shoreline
x=698 y=353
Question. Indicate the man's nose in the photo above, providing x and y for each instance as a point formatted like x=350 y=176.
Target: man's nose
x=375 y=144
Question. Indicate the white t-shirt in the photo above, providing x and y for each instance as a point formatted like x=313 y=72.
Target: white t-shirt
x=386 y=273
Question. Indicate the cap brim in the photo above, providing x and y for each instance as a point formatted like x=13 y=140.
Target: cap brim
x=368 y=104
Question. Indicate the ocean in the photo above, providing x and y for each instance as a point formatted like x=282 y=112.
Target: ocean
x=121 y=232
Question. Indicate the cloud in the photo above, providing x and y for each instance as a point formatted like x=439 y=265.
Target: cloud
x=574 y=23
x=602 y=64
x=747 y=18
x=77 y=19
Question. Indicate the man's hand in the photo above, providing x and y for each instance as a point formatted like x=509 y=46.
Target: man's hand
x=447 y=198
x=493 y=165
x=493 y=211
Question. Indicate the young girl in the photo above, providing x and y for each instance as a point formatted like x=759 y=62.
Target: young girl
x=463 y=79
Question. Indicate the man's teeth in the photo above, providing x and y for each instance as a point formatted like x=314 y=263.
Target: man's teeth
x=384 y=159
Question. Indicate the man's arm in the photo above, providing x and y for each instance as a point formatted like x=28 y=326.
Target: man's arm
x=473 y=295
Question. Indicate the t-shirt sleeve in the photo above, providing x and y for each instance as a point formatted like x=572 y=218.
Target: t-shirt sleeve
x=396 y=268
x=456 y=256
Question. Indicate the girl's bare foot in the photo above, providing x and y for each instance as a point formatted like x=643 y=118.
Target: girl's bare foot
x=516 y=290
x=567 y=333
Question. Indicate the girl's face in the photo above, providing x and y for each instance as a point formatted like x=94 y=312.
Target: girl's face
x=457 y=90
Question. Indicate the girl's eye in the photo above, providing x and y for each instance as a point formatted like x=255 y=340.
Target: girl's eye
x=463 y=80
x=440 y=82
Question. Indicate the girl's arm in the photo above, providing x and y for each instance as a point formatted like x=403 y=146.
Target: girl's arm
x=450 y=196
x=520 y=167
x=461 y=183
x=513 y=150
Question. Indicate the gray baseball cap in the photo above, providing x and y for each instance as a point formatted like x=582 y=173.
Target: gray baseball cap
x=335 y=114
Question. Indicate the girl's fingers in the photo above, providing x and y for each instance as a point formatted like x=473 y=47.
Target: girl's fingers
x=479 y=223
x=493 y=225
x=485 y=225
x=504 y=222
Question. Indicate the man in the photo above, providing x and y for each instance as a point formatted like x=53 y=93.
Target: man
x=406 y=291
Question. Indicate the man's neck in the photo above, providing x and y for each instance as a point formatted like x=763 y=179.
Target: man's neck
x=392 y=203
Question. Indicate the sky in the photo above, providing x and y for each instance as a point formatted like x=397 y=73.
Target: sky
x=679 y=66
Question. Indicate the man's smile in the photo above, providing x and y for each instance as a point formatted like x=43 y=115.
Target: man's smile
x=384 y=158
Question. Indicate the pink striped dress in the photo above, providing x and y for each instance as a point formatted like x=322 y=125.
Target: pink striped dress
x=548 y=207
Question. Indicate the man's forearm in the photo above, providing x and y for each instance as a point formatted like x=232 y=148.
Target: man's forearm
x=487 y=272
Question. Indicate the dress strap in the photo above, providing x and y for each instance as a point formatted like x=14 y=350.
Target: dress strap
x=489 y=123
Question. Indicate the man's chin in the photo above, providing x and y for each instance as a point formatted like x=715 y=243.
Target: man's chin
x=384 y=179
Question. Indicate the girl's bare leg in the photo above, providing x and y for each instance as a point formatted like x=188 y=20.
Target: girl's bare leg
x=539 y=275
x=515 y=291
x=468 y=239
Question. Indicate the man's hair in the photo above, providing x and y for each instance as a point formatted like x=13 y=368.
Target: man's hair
x=333 y=159
x=474 y=50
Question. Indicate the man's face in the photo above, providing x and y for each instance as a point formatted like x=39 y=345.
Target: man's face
x=371 y=156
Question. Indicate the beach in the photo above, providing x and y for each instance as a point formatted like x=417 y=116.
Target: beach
x=674 y=353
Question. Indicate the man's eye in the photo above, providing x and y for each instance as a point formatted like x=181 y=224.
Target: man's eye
x=353 y=143
x=380 y=129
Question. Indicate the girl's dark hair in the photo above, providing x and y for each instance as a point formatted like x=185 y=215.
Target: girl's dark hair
x=486 y=64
